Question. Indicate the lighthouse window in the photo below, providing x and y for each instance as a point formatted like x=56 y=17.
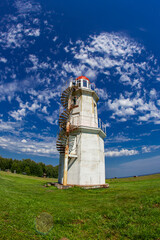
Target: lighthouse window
x=84 y=83
x=79 y=83
x=74 y=100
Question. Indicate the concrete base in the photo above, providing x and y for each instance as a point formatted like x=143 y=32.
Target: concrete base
x=60 y=186
x=88 y=168
x=91 y=186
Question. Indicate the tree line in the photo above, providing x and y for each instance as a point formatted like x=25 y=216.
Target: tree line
x=28 y=167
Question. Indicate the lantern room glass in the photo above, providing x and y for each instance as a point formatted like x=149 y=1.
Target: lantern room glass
x=83 y=83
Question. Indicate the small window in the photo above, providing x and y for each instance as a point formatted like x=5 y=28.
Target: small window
x=84 y=83
x=79 y=83
x=74 y=100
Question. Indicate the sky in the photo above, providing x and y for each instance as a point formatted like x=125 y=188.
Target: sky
x=115 y=43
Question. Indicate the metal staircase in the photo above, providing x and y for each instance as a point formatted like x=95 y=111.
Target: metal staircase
x=65 y=127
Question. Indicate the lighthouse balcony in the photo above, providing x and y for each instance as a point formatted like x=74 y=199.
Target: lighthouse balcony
x=87 y=121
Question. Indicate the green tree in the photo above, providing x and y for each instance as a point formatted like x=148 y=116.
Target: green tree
x=39 y=170
x=28 y=166
x=16 y=166
x=27 y=170
x=55 y=171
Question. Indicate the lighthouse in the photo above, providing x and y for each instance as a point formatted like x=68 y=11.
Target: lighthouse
x=81 y=136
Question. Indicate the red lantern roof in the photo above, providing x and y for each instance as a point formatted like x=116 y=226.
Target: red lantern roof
x=82 y=77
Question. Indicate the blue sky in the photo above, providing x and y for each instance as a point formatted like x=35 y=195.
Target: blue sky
x=113 y=43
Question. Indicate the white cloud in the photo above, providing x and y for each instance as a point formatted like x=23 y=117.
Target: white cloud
x=122 y=119
x=34 y=106
x=46 y=95
x=32 y=32
x=158 y=102
x=19 y=114
x=5 y=126
x=151 y=148
x=144 y=106
x=44 y=109
x=13 y=37
x=152 y=115
x=125 y=79
x=144 y=118
x=153 y=93
x=127 y=107
x=102 y=93
x=25 y=109
x=55 y=38
x=34 y=61
x=122 y=152
x=106 y=51
x=27 y=6
x=39 y=148
x=18 y=26
x=66 y=49
x=53 y=119
x=2 y=59
x=123 y=107
x=120 y=138
x=9 y=89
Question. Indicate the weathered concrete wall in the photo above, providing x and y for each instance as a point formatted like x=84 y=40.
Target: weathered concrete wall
x=92 y=160
x=88 y=168
x=86 y=112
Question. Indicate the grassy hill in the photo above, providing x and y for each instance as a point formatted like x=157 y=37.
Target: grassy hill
x=129 y=209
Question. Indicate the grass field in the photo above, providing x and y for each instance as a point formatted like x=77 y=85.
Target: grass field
x=129 y=209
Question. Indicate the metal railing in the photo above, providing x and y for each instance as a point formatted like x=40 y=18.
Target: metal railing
x=101 y=125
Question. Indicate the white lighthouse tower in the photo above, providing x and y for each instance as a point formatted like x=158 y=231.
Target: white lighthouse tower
x=81 y=136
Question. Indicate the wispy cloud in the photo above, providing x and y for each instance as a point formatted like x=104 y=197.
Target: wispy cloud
x=122 y=152
x=8 y=90
x=19 y=114
x=8 y=126
x=3 y=60
x=40 y=148
x=127 y=107
x=120 y=138
x=151 y=148
x=27 y=6
x=119 y=152
x=116 y=53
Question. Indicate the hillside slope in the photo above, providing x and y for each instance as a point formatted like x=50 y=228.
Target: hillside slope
x=129 y=209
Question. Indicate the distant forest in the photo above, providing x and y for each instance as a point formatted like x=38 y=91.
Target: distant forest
x=28 y=167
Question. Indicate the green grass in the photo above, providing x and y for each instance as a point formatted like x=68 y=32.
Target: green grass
x=129 y=209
